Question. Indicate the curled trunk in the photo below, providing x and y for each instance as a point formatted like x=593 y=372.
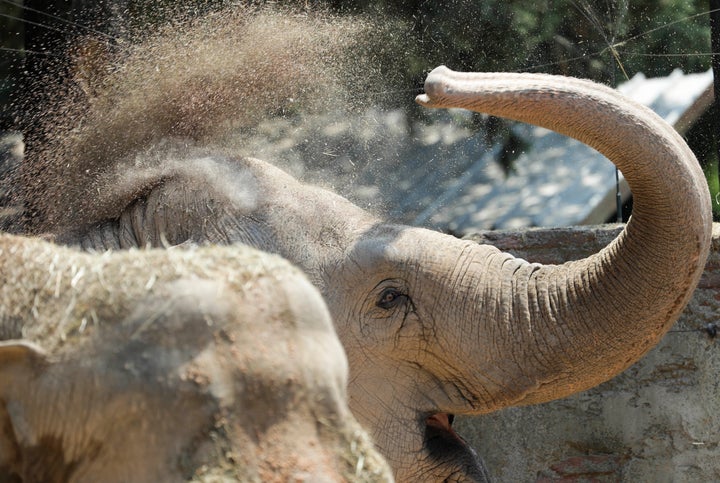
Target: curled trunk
x=569 y=327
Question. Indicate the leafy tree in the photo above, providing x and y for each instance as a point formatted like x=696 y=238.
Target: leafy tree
x=570 y=37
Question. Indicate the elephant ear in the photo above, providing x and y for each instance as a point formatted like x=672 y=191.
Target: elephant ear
x=19 y=354
x=18 y=358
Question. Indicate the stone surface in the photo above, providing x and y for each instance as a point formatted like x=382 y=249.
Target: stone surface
x=659 y=421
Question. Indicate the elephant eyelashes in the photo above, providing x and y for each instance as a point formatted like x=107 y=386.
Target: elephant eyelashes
x=390 y=298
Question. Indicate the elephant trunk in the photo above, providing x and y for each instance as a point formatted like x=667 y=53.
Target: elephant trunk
x=561 y=329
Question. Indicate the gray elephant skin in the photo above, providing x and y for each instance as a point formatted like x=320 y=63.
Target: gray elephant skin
x=432 y=326
x=216 y=364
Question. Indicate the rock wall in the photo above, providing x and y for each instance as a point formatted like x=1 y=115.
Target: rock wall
x=658 y=422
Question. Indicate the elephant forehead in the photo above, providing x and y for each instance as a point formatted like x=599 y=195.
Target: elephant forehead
x=397 y=247
x=280 y=332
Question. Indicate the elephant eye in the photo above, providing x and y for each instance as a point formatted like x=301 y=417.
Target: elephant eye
x=390 y=297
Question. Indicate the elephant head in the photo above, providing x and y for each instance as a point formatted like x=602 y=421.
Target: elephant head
x=435 y=326
x=217 y=364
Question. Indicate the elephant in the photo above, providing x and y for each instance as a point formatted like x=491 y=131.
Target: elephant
x=435 y=326
x=215 y=364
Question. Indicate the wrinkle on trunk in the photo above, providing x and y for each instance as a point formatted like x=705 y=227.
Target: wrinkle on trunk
x=578 y=324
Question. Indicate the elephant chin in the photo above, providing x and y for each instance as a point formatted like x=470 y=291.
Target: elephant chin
x=451 y=457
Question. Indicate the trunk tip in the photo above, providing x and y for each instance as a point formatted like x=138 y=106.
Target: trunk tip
x=435 y=86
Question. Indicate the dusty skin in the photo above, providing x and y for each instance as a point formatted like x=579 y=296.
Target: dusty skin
x=211 y=364
x=432 y=325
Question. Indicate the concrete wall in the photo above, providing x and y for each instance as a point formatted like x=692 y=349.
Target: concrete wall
x=659 y=421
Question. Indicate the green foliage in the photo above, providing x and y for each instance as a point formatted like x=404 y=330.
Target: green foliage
x=570 y=37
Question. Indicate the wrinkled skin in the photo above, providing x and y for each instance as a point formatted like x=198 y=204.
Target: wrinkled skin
x=211 y=365
x=432 y=325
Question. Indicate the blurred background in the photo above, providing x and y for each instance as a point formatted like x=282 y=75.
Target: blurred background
x=607 y=41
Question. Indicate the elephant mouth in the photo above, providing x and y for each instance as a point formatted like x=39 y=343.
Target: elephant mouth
x=440 y=437
x=442 y=422
x=448 y=449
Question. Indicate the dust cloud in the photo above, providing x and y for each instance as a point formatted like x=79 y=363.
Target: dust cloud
x=198 y=85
